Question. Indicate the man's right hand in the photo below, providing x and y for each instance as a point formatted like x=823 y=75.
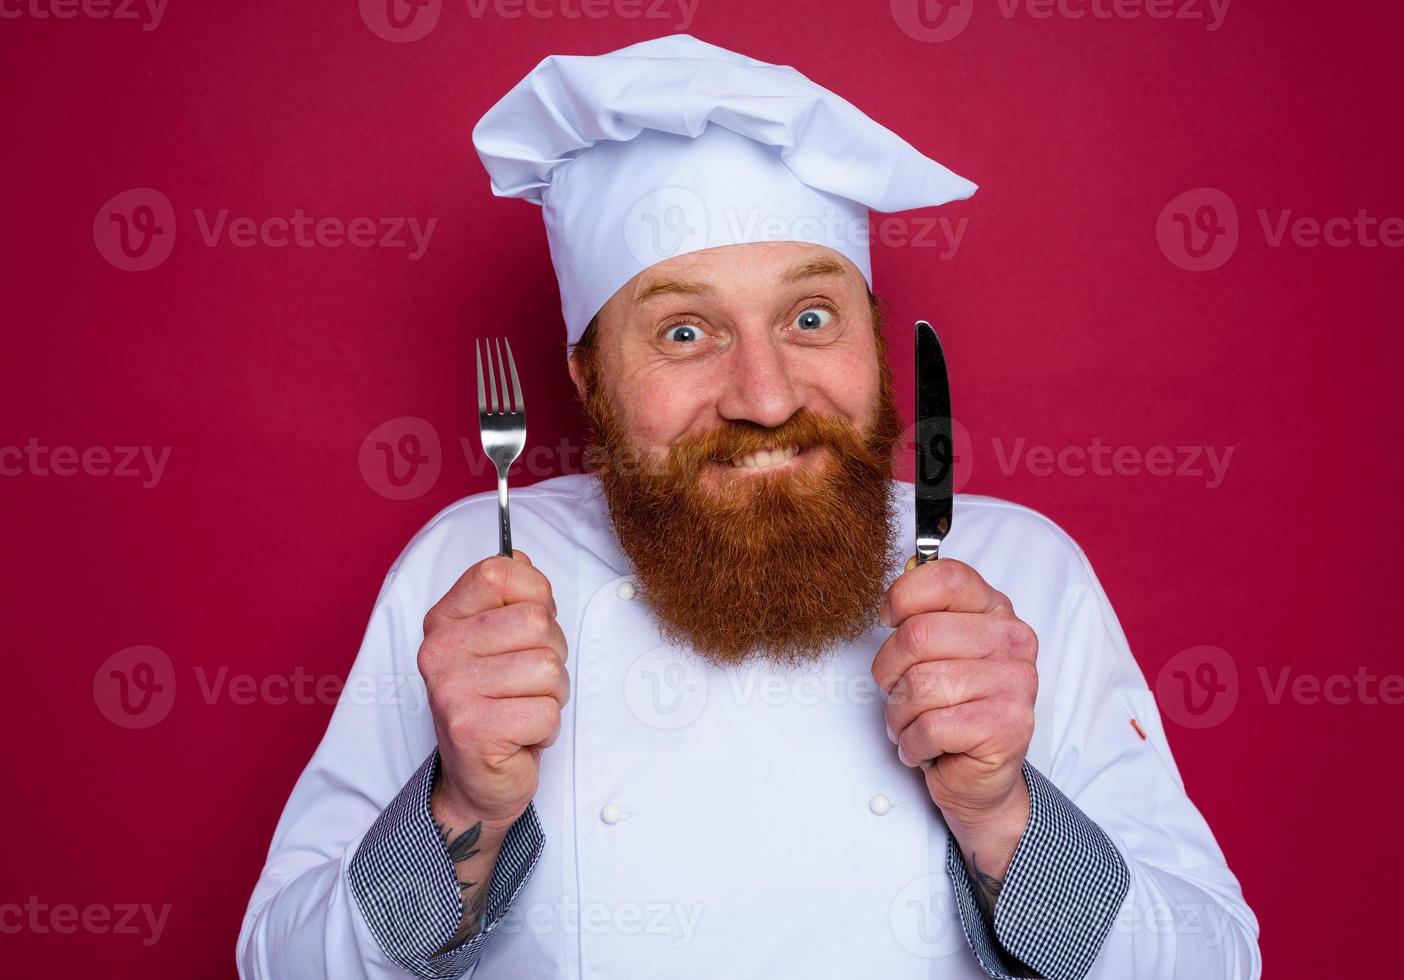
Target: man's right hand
x=493 y=661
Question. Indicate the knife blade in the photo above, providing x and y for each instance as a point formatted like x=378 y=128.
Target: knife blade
x=935 y=452
x=935 y=463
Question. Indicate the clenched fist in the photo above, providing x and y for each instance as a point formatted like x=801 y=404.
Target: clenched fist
x=493 y=660
x=960 y=678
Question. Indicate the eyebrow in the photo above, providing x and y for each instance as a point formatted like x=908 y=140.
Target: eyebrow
x=806 y=270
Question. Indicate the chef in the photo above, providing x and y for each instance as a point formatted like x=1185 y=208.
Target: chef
x=705 y=722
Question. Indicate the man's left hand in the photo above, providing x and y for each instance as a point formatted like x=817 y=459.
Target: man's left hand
x=960 y=679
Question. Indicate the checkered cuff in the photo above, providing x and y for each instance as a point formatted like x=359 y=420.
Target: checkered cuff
x=406 y=888
x=1061 y=894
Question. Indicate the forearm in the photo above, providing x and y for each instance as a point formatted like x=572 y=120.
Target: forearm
x=473 y=845
x=987 y=845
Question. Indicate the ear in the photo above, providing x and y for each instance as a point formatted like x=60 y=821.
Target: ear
x=573 y=366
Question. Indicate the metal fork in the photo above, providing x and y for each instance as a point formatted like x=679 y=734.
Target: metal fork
x=501 y=425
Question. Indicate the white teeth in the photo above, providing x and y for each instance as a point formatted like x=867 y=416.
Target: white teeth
x=766 y=457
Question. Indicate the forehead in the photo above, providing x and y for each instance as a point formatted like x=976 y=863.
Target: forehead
x=736 y=269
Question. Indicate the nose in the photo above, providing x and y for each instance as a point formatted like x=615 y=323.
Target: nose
x=758 y=385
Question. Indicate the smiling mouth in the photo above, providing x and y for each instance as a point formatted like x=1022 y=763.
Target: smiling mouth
x=769 y=458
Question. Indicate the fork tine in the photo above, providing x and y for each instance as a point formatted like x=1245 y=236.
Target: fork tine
x=482 y=392
x=491 y=376
x=516 y=386
x=506 y=408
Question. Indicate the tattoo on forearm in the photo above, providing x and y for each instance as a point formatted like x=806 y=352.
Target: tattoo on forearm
x=460 y=849
x=987 y=886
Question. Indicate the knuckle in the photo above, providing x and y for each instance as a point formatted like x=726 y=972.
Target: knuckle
x=462 y=729
x=490 y=573
x=1018 y=637
x=954 y=573
x=538 y=618
x=916 y=635
x=544 y=664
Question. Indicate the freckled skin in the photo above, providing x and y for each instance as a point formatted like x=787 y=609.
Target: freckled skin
x=748 y=358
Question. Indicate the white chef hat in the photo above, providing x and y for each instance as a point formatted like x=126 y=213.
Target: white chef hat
x=674 y=145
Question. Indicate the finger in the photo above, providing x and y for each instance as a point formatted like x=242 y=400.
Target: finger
x=942 y=684
x=944 y=584
x=942 y=636
x=962 y=728
x=524 y=674
x=911 y=563
x=532 y=721
x=490 y=583
x=520 y=626
x=520 y=555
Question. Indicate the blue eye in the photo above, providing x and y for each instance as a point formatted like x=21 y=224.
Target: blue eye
x=683 y=333
x=813 y=318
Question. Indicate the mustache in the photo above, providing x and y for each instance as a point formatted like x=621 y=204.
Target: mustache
x=736 y=438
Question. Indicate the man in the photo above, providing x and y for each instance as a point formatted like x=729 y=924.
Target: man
x=684 y=731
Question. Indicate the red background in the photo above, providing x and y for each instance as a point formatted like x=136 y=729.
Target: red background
x=262 y=546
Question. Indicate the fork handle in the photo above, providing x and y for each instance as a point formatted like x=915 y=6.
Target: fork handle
x=505 y=526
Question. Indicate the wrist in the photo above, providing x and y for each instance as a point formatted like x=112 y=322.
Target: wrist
x=451 y=808
x=995 y=829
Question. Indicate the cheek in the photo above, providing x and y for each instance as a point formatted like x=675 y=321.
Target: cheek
x=660 y=412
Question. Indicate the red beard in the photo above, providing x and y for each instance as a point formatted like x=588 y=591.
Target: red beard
x=780 y=565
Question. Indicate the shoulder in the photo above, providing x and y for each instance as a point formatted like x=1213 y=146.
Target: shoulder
x=980 y=522
x=559 y=517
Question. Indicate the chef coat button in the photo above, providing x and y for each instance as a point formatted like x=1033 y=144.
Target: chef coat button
x=610 y=813
x=626 y=590
x=879 y=804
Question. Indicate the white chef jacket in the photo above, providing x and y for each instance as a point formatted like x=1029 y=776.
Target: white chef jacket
x=695 y=821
